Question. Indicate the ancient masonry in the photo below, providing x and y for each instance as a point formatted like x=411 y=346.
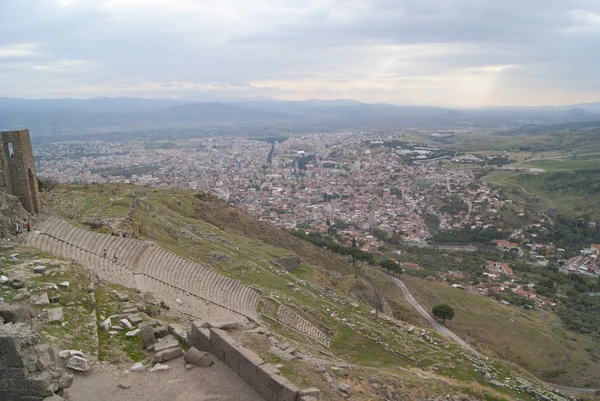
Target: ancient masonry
x=184 y=285
x=263 y=377
x=17 y=175
x=29 y=370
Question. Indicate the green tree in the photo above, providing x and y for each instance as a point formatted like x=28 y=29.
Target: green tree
x=443 y=312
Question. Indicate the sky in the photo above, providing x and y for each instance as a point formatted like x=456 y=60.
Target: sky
x=461 y=53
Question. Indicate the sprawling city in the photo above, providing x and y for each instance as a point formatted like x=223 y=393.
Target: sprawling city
x=299 y=200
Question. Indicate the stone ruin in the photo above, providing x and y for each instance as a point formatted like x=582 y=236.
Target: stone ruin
x=17 y=169
x=29 y=371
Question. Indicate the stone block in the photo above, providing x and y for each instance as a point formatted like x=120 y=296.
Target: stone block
x=135 y=319
x=79 y=364
x=310 y=392
x=290 y=391
x=147 y=336
x=179 y=332
x=224 y=323
x=55 y=315
x=250 y=356
x=264 y=372
x=16 y=313
x=202 y=339
x=166 y=343
x=167 y=354
x=198 y=358
x=160 y=332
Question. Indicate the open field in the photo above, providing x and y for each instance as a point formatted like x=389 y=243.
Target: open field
x=588 y=161
x=565 y=198
x=533 y=339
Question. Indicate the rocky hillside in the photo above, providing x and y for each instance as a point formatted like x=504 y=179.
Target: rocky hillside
x=11 y=214
x=316 y=324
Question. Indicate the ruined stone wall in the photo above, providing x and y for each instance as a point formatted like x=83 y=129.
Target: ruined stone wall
x=262 y=377
x=18 y=175
x=29 y=371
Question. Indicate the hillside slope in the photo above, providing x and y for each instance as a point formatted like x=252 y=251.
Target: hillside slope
x=324 y=290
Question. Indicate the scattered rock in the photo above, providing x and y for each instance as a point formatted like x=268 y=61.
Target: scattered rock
x=123 y=386
x=122 y=297
x=178 y=301
x=106 y=324
x=55 y=299
x=39 y=269
x=16 y=313
x=4 y=279
x=55 y=315
x=54 y=263
x=70 y=352
x=44 y=300
x=79 y=364
x=159 y=367
x=132 y=333
x=138 y=367
x=127 y=324
x=64 y=284
x=16 y=283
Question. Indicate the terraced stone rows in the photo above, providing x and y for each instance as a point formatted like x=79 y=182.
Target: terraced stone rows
x=287 y=316
x=103 y=268
x=182 y=273
x=199 y=285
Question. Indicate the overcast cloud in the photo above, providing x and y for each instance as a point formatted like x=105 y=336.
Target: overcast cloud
x=439 y=52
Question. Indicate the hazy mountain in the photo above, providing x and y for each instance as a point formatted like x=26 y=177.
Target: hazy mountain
x=80 y=116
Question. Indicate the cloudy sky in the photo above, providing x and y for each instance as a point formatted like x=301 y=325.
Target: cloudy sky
x=437 y=52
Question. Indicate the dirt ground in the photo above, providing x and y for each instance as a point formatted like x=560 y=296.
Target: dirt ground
x=217 y=383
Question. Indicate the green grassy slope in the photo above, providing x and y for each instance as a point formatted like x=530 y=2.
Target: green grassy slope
x=325 y=287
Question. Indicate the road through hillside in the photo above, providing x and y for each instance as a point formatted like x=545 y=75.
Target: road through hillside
x=436 y=325
x=446 y=332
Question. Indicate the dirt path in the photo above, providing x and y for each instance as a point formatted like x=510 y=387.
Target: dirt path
x=217 y=383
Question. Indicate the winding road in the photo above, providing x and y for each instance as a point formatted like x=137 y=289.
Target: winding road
x=443 y=330
x=436 y=325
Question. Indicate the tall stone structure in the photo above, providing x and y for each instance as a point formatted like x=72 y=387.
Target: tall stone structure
x=17 y=168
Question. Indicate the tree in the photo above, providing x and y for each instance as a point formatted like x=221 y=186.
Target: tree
x=47 y=184
x=443 y=312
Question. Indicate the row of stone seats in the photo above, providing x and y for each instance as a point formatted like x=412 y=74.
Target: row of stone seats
x=290 y=318
x=185 y=274
x=189 y=304
x=126 y=250
x=102 y=267
x=155 y=262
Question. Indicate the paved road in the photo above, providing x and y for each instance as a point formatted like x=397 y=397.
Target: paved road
x=443 y=330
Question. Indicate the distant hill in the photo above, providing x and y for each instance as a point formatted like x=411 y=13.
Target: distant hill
x=74 y=118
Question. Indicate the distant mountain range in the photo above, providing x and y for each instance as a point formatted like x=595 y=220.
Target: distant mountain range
x=72 y=116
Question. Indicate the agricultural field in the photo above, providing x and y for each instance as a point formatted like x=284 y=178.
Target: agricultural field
x=569 y=184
